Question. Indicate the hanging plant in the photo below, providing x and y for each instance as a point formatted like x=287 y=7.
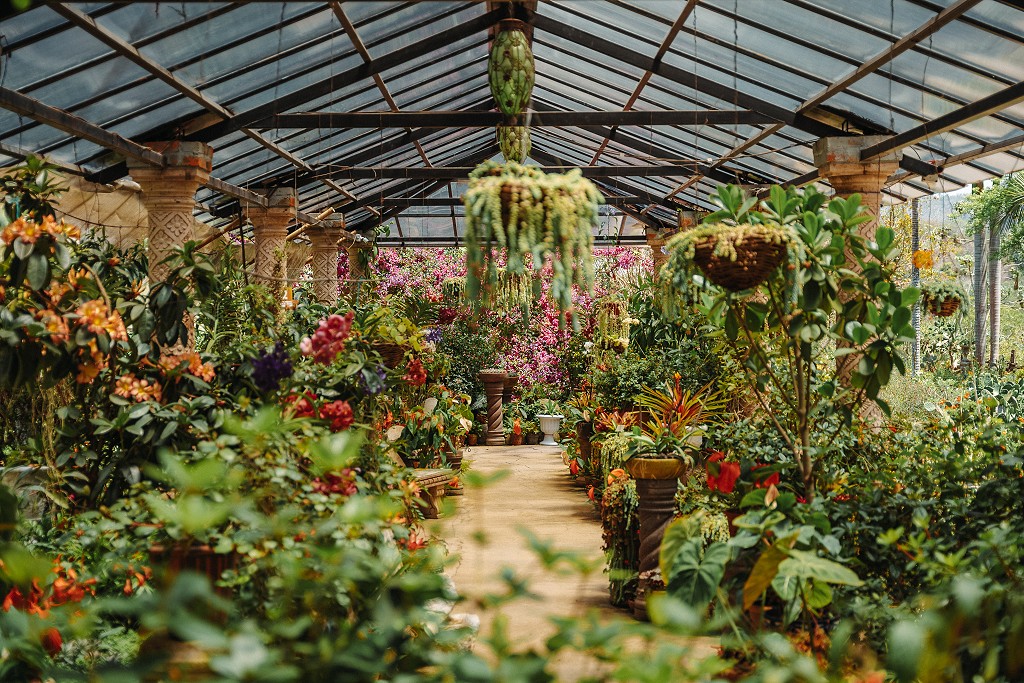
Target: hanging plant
x=735 y=257
x=531 y=215
x=942 y=298
x=514 y=142
x=510 y=68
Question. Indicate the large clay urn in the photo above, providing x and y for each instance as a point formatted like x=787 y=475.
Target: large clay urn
x=657 y=480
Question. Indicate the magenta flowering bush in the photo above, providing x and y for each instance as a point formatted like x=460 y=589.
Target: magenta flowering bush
x=530 y=350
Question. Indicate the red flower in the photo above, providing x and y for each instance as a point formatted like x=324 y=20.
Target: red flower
x=722 y=476
x=574 y=468
x=51 y=640
x=339 y=413
x=590 y=493
x=771 y=479
x=415 y=374
x=302 y=404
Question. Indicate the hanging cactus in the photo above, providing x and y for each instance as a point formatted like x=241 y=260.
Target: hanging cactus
x=510 y=68
x=514 y=142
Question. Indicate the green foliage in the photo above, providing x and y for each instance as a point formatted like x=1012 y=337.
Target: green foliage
x=544 y=214
x=468 y=353
x=835 y=298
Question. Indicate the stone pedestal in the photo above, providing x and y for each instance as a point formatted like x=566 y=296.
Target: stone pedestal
x=168 y=194
x=511 y=382
x=494 y=384
x=657 y=480
x=270 y=233
x=324 y=238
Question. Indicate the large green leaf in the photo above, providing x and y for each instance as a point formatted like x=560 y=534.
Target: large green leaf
x=695 y=575
x=806 y=565
x=765 y=570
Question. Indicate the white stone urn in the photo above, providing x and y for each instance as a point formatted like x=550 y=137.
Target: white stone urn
x=549 y=424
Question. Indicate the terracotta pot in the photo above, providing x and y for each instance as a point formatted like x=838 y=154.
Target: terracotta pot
x=471 y=439
x=533 y=438
x=514 y=440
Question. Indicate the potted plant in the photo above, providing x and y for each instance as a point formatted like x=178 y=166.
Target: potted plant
x=532 y=434
x=531 y=216
x=550 y=420
x=661 y=452
x=514 y=433
x=942 y=297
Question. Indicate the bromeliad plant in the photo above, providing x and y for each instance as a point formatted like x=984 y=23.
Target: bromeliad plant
x=677 y=420
x=835 y=298
x=530 y=216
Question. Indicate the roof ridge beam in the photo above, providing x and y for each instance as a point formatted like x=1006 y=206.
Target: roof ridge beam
x=533 y=119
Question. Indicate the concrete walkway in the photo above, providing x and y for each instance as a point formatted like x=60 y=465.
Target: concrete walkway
x=483 y=530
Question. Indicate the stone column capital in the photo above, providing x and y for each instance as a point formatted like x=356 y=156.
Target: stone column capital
x=838 y=159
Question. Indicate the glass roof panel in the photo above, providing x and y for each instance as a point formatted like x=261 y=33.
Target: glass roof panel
x=53 y=54
x=606 y=18
x=414 y=23
x=137 y=21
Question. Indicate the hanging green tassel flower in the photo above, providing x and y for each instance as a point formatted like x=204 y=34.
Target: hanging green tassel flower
x=514 y=142
x=510 y=68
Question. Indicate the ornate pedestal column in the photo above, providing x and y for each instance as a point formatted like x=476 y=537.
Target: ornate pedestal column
x=325 y=261
x=169 y=196
x=270 y=232
x=509 y=385
x=657 y=480
x=494 y=384
x=838 y=160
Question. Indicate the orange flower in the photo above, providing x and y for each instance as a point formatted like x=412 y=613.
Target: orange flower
x=924 y=259
x=55 y=325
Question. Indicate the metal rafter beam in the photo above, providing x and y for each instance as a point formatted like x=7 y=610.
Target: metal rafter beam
x=975 y=154
x=457 y=201
x=130 y=52
x=353 y=35
x=23 y=105
x=489 y=119
x=684 y=14
x=340 y=81
x=462 y=172
x=986 y=106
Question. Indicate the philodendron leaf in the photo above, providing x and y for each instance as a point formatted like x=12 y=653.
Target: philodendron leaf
x=765 y=570
x=695 y=575
x=806 y=565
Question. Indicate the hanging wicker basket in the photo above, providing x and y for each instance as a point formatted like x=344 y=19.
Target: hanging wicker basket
x=943 y=308
x=757 y=256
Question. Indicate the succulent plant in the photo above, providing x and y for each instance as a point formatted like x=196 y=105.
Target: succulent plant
x=510 y=68
x=514 y=142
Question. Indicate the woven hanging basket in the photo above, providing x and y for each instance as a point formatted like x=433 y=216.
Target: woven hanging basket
x=756 y=258
x=943 y=308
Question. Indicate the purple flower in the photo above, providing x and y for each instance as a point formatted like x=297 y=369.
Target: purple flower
x=434 y=335
x=270 y=367
x=373 y=382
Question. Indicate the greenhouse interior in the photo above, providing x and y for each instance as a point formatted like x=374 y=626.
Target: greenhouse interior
x=545 y=340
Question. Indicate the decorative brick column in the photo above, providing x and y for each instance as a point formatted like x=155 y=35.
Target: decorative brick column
x=494 y=385
x=169 y=196
x=838 y=160
x=270 y=232
x=325 y=260
x=656 y=240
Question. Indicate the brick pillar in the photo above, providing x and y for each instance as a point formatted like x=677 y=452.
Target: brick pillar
x=838 y=160
x=270 y=232
x=656 y=240
x=169 y=196
x=325 y=260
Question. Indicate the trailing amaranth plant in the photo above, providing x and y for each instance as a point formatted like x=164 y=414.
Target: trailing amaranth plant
x=530 y=215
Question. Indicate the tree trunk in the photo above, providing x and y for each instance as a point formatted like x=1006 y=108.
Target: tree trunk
x=915 y=281
x=995 y=291
x=979 y=295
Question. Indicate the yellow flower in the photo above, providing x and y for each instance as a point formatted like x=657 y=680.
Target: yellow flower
x=924 y=259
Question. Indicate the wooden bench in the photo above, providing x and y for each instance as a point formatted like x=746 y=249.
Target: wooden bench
x=432 y=483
